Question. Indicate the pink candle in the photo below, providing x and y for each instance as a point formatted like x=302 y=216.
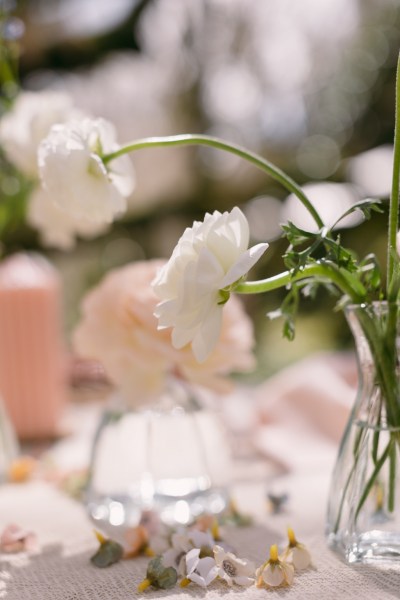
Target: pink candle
x=32 y=358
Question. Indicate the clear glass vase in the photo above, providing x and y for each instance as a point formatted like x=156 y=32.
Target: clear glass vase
x=364 y=502
x=170 y=457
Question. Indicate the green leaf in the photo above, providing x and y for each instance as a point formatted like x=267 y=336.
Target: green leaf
x=366 y=206
x=297 y=236
x=289 y=310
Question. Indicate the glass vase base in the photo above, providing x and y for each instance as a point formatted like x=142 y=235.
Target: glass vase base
x=125 y=511
x=369 y=548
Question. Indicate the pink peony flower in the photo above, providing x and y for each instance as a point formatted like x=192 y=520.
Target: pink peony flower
x=119 y=329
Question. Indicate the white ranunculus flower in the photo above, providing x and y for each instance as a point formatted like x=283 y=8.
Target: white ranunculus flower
x=210 y=256
x=58 y=229
x=72 y=171
x=28 y=122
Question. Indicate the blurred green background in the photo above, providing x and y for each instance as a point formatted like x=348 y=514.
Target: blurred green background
x=308 y=84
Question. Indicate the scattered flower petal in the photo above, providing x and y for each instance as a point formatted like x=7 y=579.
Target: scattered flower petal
x=15 y=539
x=108 y=553
x=158 y=576
x=21 y=469
x=234 y=570
x=275 y=572
x=182 y=542
x=135 y=541
x=296 y=553
x=276 y=502
x=234 y=517
x=201 y=571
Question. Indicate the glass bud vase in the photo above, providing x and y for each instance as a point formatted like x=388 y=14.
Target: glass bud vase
x=169 y=457
x=363 y=522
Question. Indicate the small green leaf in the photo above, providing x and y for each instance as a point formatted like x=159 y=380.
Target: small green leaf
x=297 y=236
x=365 y=206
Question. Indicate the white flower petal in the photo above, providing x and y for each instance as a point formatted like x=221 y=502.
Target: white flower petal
x=204 y=572
x=58 y=229
x=219 y=554
x=300 y=557
x=207 y=335
x=28 y=123
x=201 y=539
x=273 y=575
x=244 y=264
x=73 y=172
x=243 y=580
x=209 y=256
x=289 y=572
x=192 y=560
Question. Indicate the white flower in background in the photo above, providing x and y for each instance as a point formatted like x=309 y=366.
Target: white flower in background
x=275 y=572
x=232 y=569
x=202 y=571
x=210 y=256
x=28 y=122
x=58 y=229
x=72 y=171
x=398 y=243
x=296 y=553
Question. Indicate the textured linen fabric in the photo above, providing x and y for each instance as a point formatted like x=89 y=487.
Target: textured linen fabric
x=61 y=569
x=300 y=454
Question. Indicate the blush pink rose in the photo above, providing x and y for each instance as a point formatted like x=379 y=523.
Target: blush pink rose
x=119 y=329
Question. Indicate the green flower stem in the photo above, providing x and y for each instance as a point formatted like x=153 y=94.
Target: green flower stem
x=384 y=356
x=394 y=196
x=372 y=478
x=214 y=142
x=358 y=443
x=392 y=477
x=319 y=270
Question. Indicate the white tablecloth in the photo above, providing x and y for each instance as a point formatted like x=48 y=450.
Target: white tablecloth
x=301 y=464
x=61 y=569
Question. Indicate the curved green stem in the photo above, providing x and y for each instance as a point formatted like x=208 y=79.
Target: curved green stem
x=214 y=142
x=394 y=196
x=318 y=270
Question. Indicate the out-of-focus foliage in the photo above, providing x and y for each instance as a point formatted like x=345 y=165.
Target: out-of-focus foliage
x=309 y=84
x=14 y=190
